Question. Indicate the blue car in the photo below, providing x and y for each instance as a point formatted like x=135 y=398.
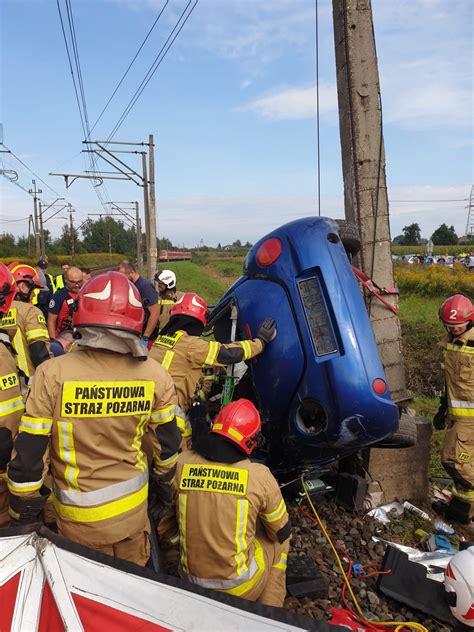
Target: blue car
x=320 y=385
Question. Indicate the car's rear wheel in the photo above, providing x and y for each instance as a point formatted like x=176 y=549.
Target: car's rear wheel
x=404 y=437
x=349 y=234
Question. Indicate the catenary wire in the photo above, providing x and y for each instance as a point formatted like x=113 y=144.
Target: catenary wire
x=318 y=148
x=130 y=65
x=154 y=67
x=79 y=88
x=56 y=193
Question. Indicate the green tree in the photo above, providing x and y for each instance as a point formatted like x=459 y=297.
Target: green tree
x=164 y=244
x=411 y=235
x=7 y=245
x=444 y=236
x=106 y=230
x=22 y=246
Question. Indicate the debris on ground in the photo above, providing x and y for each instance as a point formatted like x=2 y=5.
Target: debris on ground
x=354 y=536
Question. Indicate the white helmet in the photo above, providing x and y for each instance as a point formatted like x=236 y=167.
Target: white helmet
x=168 y=278
x=459 y=586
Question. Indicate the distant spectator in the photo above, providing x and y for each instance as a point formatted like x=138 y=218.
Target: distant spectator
x=59 y=281
x=63 y=303
x=41 y=298
x=86 y=274
x=148 y=294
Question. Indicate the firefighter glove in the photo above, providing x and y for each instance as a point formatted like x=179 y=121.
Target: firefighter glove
x=160 y=498
x=267 y=330
x=439 y=420
x=28 y=510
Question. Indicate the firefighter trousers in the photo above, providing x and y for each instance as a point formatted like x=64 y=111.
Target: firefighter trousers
x=458 y=460
x=271 y=588
x=4 y=515
x=135 y=548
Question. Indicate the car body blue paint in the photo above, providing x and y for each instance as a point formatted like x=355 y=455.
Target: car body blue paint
x=291 y=369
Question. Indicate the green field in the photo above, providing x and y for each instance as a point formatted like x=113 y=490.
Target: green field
x=195 y=278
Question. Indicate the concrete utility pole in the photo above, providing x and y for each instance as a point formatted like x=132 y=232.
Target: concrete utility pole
x=41 y=231
x=71 y=232
x=138 y=229
x=146 y=210
x=34 y=192
x=153 y=252
x=30 y=224
x=363 y=165
x=123 y=171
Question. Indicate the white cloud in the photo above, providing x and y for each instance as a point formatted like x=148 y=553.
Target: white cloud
x=294 y=103
x=426 y=208
x=248 y=216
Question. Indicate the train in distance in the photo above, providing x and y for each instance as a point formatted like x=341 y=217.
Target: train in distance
x=175 y=255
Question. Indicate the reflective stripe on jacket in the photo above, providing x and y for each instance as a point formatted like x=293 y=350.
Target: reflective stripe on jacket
x=224 y=554
x=93 y=408
x=184 y=356
x=25 y=325
x=459 y=375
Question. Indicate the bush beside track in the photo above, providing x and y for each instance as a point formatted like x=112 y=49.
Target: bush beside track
x=434 y=281
x=437 y=250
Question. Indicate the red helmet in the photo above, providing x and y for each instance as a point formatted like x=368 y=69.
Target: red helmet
x=26 y=273
x=191 y=305
x=240 y=422
x=7 y=288
x=109 y=300
x=456 y=310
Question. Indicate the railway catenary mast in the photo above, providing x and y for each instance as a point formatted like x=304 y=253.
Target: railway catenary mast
x=363 y=165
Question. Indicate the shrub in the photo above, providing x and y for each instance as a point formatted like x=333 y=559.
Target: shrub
x=433 y=281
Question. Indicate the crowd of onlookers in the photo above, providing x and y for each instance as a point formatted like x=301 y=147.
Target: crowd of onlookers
x=464 y=259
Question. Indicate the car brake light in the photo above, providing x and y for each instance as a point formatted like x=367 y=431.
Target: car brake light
x=269 y=252
x=379 y=386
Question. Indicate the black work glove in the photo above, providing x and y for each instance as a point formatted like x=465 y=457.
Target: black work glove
x=439 y=420
x=267 y=330
x=28 y=510
x=160 y=498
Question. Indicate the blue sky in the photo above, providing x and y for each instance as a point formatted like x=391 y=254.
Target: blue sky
x=232 y=108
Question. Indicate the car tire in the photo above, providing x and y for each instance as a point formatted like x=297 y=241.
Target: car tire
x=404 y=437
x=349 y=234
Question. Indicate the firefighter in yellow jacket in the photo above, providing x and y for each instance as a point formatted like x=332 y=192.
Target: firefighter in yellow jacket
x=457 y=408
x=168 y=295
x=25 y=323
x=92 y=409
x=11 y=401
x=231 y=519
x=183 y=353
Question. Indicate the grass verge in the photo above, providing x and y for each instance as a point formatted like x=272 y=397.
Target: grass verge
x=193 y=278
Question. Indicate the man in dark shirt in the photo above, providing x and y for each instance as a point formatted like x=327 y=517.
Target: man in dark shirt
x=149 y=298
x=61 y=306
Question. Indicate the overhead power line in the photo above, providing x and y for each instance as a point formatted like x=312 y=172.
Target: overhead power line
x=130 y=65
x=429 y=201
x=72 y=51
x=183 y=18
x=10 y=152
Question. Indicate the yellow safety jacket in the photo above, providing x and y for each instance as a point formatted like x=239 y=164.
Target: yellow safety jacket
x=25 y=325
x=92 y=409
x=184 y=357
x=218 y=507
x=11 y=408
x=166 y=304
x=58 y=282
x=459 y=374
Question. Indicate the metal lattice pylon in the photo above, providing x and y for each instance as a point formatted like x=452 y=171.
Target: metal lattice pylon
x=470 y=214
